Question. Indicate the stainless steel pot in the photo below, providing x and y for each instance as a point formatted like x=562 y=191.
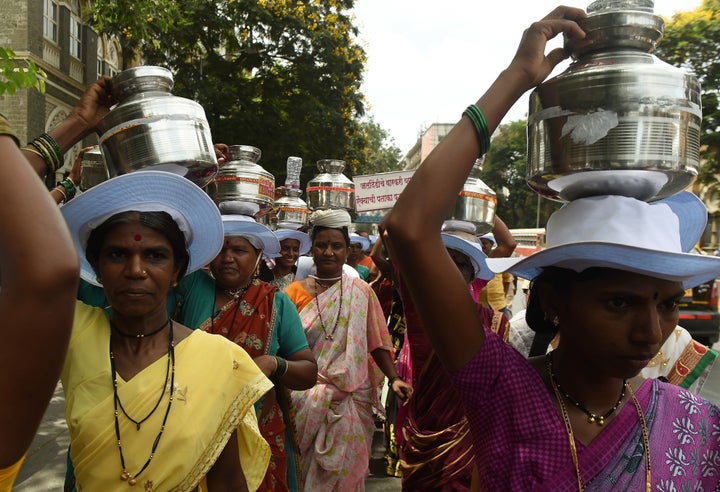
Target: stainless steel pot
x=618 y=120
x=476 y=203
x=242 y=186
x=331 y=188
x=94 y=170
x=152 y=129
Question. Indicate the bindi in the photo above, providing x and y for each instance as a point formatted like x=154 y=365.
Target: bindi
x=137 y=237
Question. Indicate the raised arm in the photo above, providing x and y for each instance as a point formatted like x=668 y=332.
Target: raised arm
x=413 y=226
x=84 y=119
x=39 y=270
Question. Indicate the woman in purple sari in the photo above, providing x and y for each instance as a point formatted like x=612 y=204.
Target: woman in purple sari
x=581 y=418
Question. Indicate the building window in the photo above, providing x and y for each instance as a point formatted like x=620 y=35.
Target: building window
x=50 y=20
x=75 y=42
x=75 y=30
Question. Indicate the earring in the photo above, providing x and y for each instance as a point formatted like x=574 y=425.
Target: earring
x=174 y=284
x=556 y=322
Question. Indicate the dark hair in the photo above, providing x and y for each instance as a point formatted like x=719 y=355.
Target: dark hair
x=317 y=229
x=162 y=222
x=562 y=280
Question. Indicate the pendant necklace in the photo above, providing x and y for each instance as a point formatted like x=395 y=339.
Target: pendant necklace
x=170 y=373
x=591 y=417
x=571 y=435
x=328 y=336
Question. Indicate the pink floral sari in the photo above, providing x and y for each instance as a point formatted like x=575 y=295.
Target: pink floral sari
x=334 y=419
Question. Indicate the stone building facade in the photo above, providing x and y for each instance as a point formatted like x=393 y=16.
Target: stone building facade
x=51 y=34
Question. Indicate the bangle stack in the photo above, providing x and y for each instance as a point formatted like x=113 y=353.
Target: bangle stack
x=48 y=149
x=478 y=121
x=68 y=187
x=280 y=368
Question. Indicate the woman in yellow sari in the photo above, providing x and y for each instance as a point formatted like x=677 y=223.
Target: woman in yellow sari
x=149 y=401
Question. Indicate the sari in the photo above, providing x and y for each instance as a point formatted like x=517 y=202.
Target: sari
x=335 y=419
x=521 y=442
x=253 y=322
x=8 y=475
x=216 y=385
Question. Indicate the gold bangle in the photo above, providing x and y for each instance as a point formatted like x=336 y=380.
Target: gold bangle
x=60 y=190
x=27 y=148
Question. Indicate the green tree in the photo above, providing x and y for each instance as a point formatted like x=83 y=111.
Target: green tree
x=16 y=73
x=692 y=40
x=374 y=150
x=281 y=75
x=504 y=170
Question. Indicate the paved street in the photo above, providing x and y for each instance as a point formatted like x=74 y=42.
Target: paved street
x=44 y=468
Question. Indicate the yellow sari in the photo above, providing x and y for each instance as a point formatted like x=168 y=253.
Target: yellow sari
x=7 y=475
x=216 y=385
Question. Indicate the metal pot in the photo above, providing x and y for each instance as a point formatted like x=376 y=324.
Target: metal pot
x=291 y=212
x=94 y=170
x=152 y=129
x=242 y=186
x=476 y=203
x=618 y=120
x=331 y=188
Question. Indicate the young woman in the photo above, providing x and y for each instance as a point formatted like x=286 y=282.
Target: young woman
x=580 y=418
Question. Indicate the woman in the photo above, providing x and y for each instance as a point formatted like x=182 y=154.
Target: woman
x=232 y=302
x=36 y=302
x=293 y=244
x=148 y=400
x=344 y=324
x=535 y=424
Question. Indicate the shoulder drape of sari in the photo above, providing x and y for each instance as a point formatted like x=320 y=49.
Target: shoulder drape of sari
x=216 y=385
x=250 y=323
x=334 y=418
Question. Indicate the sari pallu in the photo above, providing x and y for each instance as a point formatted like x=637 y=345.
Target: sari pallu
x=216 y=385
x=334 y=419
x=249 y=322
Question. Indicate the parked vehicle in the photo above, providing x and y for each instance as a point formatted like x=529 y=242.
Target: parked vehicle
x=699 y=312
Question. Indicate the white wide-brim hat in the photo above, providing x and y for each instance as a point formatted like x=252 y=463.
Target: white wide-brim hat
x=455 y=240
x=357 y=238
x=304 y=239
x=193 y=210
x=623 y=233
x=257 y=234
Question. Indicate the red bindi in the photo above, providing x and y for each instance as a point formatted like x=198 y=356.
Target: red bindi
x=137 y=237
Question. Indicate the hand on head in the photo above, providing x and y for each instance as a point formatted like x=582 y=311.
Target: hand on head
x=530 y=59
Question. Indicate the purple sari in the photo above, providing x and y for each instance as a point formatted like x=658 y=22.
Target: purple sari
x=521 y=443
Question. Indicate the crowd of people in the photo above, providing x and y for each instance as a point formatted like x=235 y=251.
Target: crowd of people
x=200 y=351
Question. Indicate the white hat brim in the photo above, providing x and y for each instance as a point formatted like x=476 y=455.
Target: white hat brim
x=688 y=268
x=245 y=226
x=357 y=238
x=304 y=239
x=194 y=211
x=471 y=250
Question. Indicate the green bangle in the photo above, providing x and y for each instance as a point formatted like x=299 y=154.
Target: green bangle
x=481 y=129
x=69 y=187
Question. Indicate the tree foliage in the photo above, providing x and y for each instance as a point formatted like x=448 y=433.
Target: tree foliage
x=692 y=41
x=504 y=170
x=372 y=146
x=282 y=75
x=18 y=74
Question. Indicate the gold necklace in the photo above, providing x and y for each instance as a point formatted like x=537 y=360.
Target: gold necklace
x=571 y=436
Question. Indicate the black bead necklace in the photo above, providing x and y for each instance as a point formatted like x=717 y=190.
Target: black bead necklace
x=591 y=417
x=328 y=336
x=170 y=373
x=139 y=335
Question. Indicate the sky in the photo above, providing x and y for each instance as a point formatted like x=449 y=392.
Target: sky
x=429 y=59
